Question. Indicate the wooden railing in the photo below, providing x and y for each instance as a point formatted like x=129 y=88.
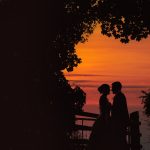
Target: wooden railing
x=80 y=141
x=134 y=131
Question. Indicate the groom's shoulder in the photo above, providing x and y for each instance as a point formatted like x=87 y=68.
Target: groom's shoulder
x=121 y=95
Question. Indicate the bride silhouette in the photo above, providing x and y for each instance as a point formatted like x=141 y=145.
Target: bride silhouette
x=100 y=137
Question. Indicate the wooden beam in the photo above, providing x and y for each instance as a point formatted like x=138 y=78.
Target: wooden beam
x=79 y=141
x=80 y=127
x=87 y=114
x=86 y=119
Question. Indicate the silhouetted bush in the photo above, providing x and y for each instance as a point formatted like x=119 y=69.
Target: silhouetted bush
x=146 y=101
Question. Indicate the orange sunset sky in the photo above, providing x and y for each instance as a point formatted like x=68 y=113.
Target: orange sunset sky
x=105 y=60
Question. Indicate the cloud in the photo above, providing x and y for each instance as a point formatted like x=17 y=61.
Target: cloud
x=136 y=86
x=81 y=81
x=87 y=75
x=88 y=85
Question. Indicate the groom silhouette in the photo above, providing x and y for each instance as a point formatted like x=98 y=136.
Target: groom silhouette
x=119 y=108
x=120 y=117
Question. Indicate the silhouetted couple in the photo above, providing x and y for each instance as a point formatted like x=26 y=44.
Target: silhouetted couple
x=109 y=130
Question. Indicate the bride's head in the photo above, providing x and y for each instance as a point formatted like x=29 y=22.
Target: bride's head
x=104 y=89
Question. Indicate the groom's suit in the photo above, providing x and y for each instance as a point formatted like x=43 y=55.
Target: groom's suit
x=120 y=118
x=119 y=108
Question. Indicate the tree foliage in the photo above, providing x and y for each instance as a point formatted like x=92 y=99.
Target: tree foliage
x=124 y=20
x=146 y=101
x=79 y=99
x=65 y=100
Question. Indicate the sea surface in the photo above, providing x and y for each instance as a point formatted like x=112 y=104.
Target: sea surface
x=144 y=127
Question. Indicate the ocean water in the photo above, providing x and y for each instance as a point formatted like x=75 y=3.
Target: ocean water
x=144 y=127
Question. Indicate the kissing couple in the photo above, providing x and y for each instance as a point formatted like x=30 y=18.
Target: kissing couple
x=109 y=130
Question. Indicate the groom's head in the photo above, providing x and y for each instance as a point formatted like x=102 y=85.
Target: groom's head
x=116 y=87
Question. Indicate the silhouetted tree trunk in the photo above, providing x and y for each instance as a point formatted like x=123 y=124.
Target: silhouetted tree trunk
x=26 y=29
x=22 y=76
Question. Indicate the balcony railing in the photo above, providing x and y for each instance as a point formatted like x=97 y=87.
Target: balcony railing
x=83 y=128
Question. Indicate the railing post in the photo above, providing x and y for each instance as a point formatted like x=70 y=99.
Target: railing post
x=135 y=131
x=82 y=129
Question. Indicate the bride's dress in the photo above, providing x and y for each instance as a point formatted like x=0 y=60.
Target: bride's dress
x=100 y=137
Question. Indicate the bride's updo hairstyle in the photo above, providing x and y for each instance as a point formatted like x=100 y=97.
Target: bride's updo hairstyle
x=104 y=89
